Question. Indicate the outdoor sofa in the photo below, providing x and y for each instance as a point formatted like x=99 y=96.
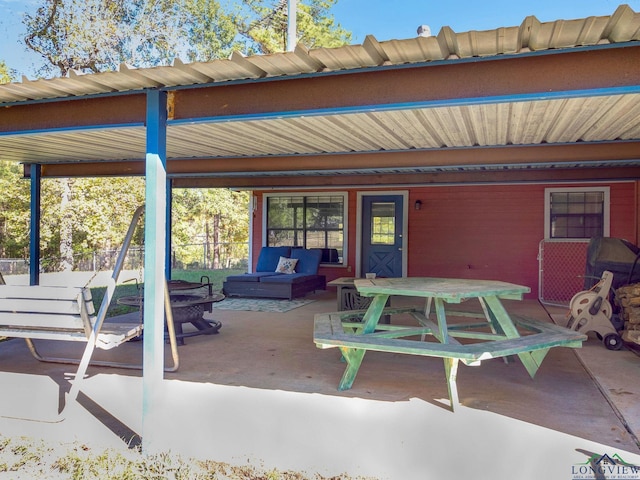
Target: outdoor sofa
x=266 y=282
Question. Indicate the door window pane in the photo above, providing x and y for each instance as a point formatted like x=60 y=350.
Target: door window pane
x=383 y=223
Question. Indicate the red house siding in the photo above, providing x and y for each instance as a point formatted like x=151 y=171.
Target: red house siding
x=624 y=211
x=484 y=232
x=481 y=231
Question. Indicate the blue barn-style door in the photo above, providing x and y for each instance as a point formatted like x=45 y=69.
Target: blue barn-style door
x=382 y=231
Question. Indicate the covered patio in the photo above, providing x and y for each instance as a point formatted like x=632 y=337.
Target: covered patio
x=553 y=102
x=259 y=392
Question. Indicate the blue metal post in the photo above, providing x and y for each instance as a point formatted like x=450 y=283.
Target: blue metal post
x=169 y=235
x=34 y=238
x=154 y=263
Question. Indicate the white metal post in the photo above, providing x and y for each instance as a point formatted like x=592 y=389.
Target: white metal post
x=154 y=263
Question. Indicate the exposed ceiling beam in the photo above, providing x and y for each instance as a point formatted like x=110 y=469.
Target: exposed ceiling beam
x=508 y=156
x=345 y=181
x=503 y=76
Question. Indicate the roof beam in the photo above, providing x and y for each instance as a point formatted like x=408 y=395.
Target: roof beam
x=119 y=109
x=553 y=155
x=503 y=77
x=463 y=177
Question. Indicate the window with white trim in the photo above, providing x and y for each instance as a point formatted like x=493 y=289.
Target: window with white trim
x=576 y=213
x=308 y=221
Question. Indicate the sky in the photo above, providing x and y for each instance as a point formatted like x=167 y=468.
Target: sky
x=384 y=19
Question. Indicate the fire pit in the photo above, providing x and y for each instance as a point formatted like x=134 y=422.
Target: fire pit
x=188 y=303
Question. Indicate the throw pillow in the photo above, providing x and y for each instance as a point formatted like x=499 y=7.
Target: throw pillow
x=287 y=265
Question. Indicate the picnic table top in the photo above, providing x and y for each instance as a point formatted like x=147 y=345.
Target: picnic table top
x=451 y=289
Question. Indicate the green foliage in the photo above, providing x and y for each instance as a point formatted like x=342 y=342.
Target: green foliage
x=14 y=212
x=99 y=211
x=216 y=217
x=264 y=24
x=210 y=31
x=5 y=75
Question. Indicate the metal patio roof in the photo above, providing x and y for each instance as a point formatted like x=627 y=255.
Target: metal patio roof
x=541 y=118
x=531 y=122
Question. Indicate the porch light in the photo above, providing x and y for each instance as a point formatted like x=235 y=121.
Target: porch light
x=418 y=205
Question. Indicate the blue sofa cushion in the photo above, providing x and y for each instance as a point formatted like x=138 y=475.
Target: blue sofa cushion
x=269 y=257
x=308 y=260
x=286 y=278
x=250 y=277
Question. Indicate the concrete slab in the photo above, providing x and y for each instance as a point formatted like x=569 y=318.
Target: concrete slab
x=260 y=392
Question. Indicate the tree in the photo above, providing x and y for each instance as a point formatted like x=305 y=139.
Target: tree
x=99 y=35
x=210 y=31
x=264 y=24
x=5 y=74
x=14 y=212
x=215 y=217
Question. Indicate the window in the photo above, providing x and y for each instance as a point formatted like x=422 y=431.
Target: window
x=577 y=212
x=309 y=221
x=383 y=223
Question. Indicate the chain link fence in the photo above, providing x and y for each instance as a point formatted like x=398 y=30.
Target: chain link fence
x=561 y=271
x=194 y=256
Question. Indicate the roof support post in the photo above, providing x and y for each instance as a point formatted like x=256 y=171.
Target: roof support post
x=168 y=237
x=34 y=238
x=154 y=265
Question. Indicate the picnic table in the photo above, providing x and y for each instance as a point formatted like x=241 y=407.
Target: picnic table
x=493 y=333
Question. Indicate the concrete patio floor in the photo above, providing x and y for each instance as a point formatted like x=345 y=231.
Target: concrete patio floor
x=260 y=392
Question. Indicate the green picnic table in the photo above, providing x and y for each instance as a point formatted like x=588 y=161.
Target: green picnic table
x=495 y=332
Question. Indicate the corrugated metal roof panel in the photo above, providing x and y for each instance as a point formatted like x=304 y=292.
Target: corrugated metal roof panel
x=95 y=145
x=487 y=43
x=622 y=26
x=588 y=119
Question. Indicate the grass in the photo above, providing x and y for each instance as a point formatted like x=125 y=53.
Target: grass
x=23 y=458
x=215 y=277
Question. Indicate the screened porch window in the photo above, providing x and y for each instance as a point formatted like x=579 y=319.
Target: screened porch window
x=308 y=221
x=577 y=213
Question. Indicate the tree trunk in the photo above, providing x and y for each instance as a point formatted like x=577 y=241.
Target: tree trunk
x=207 y=245
x=66 y=227
x=216 y=241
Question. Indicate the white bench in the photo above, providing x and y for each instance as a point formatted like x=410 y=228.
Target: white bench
x=61 y=313
x=57 y=313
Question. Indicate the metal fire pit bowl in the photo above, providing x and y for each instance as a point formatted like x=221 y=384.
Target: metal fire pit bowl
x=186 y=307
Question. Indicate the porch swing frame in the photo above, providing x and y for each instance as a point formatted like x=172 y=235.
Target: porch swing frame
x=66 y=313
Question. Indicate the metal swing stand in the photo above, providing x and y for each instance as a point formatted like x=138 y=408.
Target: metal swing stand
x=97 y=325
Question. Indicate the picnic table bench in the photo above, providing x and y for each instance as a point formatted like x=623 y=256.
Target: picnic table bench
x=494 y=332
